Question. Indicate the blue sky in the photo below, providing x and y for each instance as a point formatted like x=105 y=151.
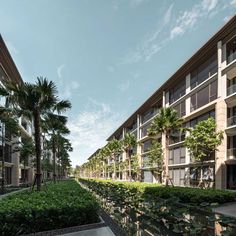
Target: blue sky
x=106 y=56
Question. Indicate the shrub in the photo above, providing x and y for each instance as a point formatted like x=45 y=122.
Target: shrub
x=134 y=192
x=64 y=204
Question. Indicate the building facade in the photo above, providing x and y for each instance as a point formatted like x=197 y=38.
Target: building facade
x=205 y=86
x=16 y=171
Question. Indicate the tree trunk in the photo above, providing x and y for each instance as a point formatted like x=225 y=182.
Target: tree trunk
x=3 y=161
x=114 y=167
x=129 y=166
x=38 y=151
x=54 y=157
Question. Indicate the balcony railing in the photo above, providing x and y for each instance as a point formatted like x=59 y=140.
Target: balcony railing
x=231 y=89
x=231 y=121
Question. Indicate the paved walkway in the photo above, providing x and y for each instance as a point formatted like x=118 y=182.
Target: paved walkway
x=104 y=231
x=228 y=209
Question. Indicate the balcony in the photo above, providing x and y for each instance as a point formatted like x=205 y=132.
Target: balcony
x=231 y=89
x=231 y=153
x=231 y=121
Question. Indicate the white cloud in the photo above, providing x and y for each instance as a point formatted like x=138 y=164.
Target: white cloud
x=90 y=129
x=168 y=14
x=68 y=88
x=209 y=5
x=233 y=2
x=124 y=86
x=59 y=70
x=173 y=26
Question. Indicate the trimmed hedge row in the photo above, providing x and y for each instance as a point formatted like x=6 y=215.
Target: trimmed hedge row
x=134 y=191
x=64 y=204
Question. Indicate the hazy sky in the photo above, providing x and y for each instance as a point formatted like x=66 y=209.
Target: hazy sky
x=106 y=56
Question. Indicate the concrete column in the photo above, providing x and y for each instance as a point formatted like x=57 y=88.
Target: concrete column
x=16 y=165
x=220 y=167
x=221 y=119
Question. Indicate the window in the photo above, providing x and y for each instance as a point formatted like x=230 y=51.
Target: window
x=146 y=146
x=204 y=71
x=177 y=155
x=177 y=91
x=231 y=50
x=204 y=96
x=205 y=116
x=150 y=113
x=180 y=108
x=144 y=130
x=177 y=176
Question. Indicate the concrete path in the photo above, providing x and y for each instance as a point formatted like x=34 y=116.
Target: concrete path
x=228 y=209
x=104 y=231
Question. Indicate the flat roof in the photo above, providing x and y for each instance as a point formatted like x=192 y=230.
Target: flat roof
x=8 y=63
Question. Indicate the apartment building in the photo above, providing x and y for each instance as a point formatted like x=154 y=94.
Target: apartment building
x=15 y=171
x=205 y=86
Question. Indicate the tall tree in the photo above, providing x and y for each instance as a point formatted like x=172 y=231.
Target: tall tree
x=166 y=121
x=155 y=158
x=55 y=125
x=103 y=154
x=128 y=143
x=202 y=141
x=34 y=101
x=115 y=148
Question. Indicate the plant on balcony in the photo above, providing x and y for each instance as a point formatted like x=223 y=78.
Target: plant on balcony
x=128 y=143
x=165 y=122
x=155 y=158
x=33 y=101
x=203 y=141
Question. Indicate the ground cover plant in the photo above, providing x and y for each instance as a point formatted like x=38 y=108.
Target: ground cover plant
x=64 y=204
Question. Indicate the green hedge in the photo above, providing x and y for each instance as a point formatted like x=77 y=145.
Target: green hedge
x=64 y=204
x=134 y=192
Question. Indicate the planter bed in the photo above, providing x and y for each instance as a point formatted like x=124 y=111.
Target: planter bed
x=64 y=204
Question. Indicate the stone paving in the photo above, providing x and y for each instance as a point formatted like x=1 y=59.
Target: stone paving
x=104 y=231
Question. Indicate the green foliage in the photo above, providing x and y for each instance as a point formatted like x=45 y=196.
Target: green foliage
x=124 y=190
x=65 y=204
x=166 y=121
x=203 y=139
x=155 y=156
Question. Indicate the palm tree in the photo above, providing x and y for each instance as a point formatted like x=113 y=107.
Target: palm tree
x=115 y=149
x=128 y=143
x=103 y=154
x=164 y=123
x=34 y=101
x=54 y=125
x=63 y=148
